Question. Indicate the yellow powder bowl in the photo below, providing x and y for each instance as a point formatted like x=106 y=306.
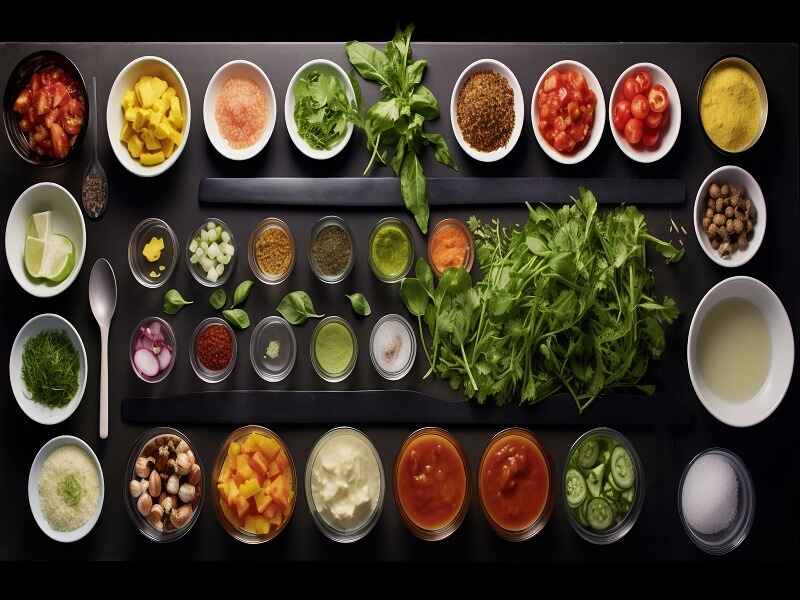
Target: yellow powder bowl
x=732 y=105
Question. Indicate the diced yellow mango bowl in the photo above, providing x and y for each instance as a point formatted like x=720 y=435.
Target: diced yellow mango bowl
x=148 y=116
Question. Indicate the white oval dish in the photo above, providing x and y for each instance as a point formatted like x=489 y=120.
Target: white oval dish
x=249 y=70
x=668 y=137
x=38 y=412
x=488 y=64
x=66 y=219
x=599 y=115
x=734 y=175
x=767 y=399
x=33 y=489
x=130 y=74
x=288 y=109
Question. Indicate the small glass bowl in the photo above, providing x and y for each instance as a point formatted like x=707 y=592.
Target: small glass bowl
x=404 y=228
x=197 y=271
x=269 y=329
x=234 y=531
x=270 y=278
x=618 y=531
x=433 y=535
x=526 y=533
x=130 y=502
x=732 y=536
x=169 y=337
x=201 y=371
x=331 y=532
x=319 y=226
x=139 y=265
x=402 y=372
x=333 y=377
x=460 y=225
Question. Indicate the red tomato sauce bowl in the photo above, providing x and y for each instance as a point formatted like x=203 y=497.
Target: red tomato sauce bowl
x=515 y=484
x=19 y=79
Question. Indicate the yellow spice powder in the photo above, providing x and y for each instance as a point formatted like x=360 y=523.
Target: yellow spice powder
x=730 y=108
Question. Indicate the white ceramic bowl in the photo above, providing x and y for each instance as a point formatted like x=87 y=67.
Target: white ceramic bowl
x=668 y=136
x=127 y=78
x=767 y=399
x=33 y=489
x=599 y=115
x=488 y=64
x=38 y=412
x=731 y=175
x=66 y=219
x=245 y=69
x=288 y=109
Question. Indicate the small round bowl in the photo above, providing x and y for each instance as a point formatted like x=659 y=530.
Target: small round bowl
x=668 y=137
x=533 y=528
x=319 y=226
x=33 y=489
x=329 y=67
x=618 y=531
x=767 y=399
x=328 y=530
x=404 y=228
x=732 y=175
x=139 y=265
x=244 y=69
x=448 y=529
x=234 y=531
x=599 y=114
x=269 y=329
x=39 y=412
x=268 y=278
x=333 y=377
x=205 y=374
x=16 y=82
x=732 y=536
x=130 y=74
x=197 y=271
x=169 y=338
x=399 y=374
x=488 y=64
x=457 y=223
x=66 y=219
x=141 y=523
x=751 y=69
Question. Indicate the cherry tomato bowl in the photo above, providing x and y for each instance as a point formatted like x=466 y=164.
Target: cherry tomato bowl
x=588 y=83
x=18 y=80
x=641 y=87
x=488 y=64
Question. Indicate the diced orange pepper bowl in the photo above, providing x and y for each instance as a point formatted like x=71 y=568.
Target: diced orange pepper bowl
x=254 y=485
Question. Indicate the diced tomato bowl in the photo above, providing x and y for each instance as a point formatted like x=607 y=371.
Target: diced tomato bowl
x=46 y=109
x=645 y=112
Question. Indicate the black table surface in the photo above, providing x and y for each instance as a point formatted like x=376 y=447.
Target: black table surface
x=667 y=429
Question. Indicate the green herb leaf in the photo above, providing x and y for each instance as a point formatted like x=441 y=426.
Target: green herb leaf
x=321 y=109
x=173 y=301
x=423 y=101
x=414 y=296
x=237 y=317
x=50 y=368
x=241 y=293
x=414 y=189
x=218 y=298
x=370 y=62
x=360 y=304
x=296 y=307
x=441 y=152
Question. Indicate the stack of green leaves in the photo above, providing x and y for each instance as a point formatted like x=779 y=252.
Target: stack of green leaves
x=394 y=126
x=565 y=303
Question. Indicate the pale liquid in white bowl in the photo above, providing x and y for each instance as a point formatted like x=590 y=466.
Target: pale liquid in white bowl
x=734 y=350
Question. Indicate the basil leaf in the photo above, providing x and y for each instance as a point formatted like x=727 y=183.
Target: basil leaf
x=424 y=102
x=425 y=275
x=241 y=292
x=399 y=154
x=413 y=188
x=237 y=317
x=296 y=307
x=359 y=304
x=370 y=62
x=218 y=299
x=383 y=115
x=414 y=72
x=173 y=302
x=440 y=150
x=414 y=296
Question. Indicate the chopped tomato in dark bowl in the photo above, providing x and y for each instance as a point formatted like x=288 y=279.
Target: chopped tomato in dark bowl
x=46 y=109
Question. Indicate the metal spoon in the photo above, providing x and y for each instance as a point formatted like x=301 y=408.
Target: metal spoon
x=94 y=191
x=103 y=301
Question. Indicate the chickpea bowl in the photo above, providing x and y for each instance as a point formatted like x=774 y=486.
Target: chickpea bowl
x=164 y=484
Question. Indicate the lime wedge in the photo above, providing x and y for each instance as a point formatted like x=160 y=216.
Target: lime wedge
x=34 y=255
x=59 y=258
x=39 y=225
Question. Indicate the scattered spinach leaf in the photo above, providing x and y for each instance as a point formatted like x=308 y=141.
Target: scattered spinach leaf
x=359 y=304
x=296 y=307
x=241 y=292
x=237 y=317
x=173 y=301
x=218 y=298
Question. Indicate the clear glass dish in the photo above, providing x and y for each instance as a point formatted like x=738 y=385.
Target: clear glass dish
x=169 y=337
x=270 y=329
x=196 y=270
x=403 y=371
x=200 y=370
x=470 y=258
x=270 y=278
x=333 y=377
x=391 y=278
x=141 y=523
x=152 y=274
x=329 y=530
x=319 y=226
